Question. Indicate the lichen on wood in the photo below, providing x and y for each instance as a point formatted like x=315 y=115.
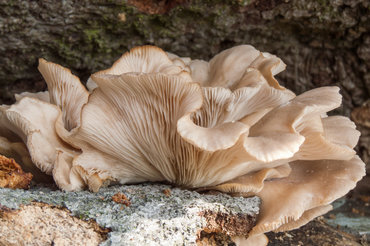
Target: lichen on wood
x=152 y=218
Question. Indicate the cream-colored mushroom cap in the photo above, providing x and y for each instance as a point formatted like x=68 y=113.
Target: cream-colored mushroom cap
x=146 y=59
x=36 y=120
x=65 y=91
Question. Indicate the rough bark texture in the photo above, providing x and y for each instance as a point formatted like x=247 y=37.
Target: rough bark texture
x=322 y=42
x=181 y=217
x=42 y=224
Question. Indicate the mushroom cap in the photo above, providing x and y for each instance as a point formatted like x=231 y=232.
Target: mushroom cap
x=132 y=118
x=238 y=67
x=146 y=59
x=291 y=197
x=323 y=164
x=65 y=91
x=218 y=124
x=233 y=68
x=227 y=67
x=35 y=121
x=285 y=129
x=311 y=186
x=296 y=131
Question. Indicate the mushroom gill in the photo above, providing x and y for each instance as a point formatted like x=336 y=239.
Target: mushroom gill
x=225 y=124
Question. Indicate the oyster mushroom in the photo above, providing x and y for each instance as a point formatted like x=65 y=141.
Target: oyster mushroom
x=225 y=124
x=323 y=168
x=145 y=59
x=65 y=91
x=35 y=120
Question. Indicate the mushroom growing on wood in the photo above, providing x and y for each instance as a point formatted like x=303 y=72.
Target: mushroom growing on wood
x=225 y=124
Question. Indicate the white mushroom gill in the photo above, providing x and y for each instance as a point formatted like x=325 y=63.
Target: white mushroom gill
x=225 y=124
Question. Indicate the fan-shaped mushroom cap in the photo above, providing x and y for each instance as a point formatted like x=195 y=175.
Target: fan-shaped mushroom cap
x=238 y=67
x=322 y=143
x=234 y=68
x=312 y=184
x=228 y=67
x=268 y=65
x=288 y=117
x=295 y=131
x=65 y=91
x=211 y=139
x=212 y=131
x=133 y=118
x=216 y=124
x=11 y=145
x=286 y=128
x=290 y=201
x=35 y=121
x=340 y=130
x=146 y=59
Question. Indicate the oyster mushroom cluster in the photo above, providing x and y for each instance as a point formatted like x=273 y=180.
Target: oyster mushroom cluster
x=225 y=124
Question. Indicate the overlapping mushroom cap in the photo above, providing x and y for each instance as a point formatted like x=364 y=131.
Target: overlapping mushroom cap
x=225 y=124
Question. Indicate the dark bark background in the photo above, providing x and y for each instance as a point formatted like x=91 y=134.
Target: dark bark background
x=322 y=42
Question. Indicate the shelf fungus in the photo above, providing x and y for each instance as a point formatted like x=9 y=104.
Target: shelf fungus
x=225 y=124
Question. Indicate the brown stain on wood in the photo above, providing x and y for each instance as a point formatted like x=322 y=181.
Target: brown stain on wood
x=12 y=175
x=121 y=199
